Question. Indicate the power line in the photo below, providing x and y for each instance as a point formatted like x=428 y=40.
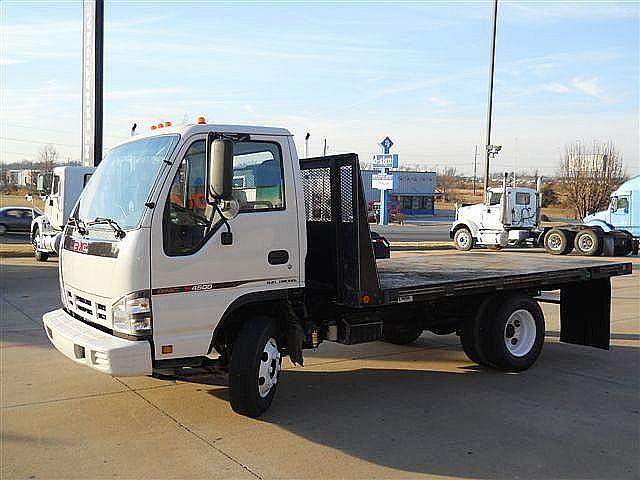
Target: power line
x=42 y=142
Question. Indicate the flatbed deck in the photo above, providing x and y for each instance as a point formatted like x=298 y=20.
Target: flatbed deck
x=421 y=275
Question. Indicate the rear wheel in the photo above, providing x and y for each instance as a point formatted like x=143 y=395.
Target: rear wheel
x=400 y=335
x=254 y=368
x=514 y=334
x=588 y=242
x=3 y=229
x=558 y=241
x=463 y=239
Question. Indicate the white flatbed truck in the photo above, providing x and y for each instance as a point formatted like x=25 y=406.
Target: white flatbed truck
x=214 y=246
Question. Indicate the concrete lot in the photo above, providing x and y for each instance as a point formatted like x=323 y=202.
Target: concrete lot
x=368 y=411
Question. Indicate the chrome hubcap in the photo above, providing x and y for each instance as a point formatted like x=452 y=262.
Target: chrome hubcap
x=554 y=241
x=585 y=242
x=269 y=367
x=463 y=239
x=520 y=333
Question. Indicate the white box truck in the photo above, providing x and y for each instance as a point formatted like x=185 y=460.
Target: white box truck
x=214 y=244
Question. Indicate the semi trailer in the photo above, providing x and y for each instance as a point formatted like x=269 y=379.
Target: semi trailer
x=511 y=216
x=215 y=246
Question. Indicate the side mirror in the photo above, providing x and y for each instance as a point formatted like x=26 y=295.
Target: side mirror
x=41 y=184
x=219 y=168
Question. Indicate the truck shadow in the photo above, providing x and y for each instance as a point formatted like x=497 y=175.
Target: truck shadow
x=557 y=420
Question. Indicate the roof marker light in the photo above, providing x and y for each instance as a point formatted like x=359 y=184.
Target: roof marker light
x=160 y=125
x=167 y=124
x=153 y=127
x=201 y=120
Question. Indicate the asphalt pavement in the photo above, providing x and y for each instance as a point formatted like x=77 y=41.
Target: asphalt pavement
x=14 y=238
x=364 y=411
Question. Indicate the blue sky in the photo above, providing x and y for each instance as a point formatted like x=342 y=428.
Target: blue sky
x=351 y=72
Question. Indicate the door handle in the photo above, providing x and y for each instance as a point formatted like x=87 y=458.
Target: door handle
x=51 y=203
x=278 y=257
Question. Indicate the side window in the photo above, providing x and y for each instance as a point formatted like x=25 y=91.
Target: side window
x=188 y=217
x=257 y=186
x=522 y=198
x=55 y=187
x=622 y=205
x=494 y=198
x=257 y=176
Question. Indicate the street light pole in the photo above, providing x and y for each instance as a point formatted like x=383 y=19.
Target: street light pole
x=487 y=153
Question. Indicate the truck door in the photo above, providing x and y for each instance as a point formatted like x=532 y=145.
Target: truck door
x=53 y=203
x=492 y=213
x=621 y=212
x=194 y=277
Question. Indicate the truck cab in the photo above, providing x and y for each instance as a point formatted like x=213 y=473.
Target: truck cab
x=507 y=216
x=623 y=212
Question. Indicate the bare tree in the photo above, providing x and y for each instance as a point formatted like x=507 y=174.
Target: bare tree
x=590 y=173
x=47 y=157
x=446 y=179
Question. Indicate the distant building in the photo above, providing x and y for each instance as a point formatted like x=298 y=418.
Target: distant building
x=21 y=178
x=413 y=192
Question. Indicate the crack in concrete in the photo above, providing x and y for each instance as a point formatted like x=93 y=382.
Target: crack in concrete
x=192 y=432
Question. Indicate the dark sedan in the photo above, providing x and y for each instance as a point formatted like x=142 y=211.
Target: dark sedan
x=16 y=219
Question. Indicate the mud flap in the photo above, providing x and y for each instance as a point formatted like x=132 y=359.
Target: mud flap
x=585 y=313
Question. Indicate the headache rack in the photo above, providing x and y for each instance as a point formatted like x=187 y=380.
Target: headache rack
x=340 y=259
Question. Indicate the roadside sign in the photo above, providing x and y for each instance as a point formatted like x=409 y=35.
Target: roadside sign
x=386 y=144
x=382 y=181
x=387 y=160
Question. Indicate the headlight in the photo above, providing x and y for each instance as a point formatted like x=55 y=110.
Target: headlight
x=132 y=314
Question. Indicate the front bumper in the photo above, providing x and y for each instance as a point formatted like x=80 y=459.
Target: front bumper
x=95 y=348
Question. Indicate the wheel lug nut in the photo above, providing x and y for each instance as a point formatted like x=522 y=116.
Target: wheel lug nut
x=514 y=341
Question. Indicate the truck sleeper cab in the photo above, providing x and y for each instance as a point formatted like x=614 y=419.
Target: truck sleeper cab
x=214 y=239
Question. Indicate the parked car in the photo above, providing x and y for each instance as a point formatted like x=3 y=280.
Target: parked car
x=16 y=219
x=381 y=246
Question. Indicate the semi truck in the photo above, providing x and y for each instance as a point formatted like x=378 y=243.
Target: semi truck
x=215 y=247
x=511 y=216
x=61 y=194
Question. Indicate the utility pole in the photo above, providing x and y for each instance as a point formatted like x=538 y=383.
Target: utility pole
x=324 y=150
x=494 y=18
x=475 y=168
x=92 y=67
x=306 y=145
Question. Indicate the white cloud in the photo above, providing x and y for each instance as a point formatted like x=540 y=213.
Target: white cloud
x=440 y=102
x=588 y=86
x=248 y=108
x=141 y=92
x=556 y=87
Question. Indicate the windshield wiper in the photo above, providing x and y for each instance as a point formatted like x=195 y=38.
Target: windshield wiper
x=79 y=224
x=120 y=233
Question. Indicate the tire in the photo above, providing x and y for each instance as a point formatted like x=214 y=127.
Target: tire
x=558 y=241
x=463 y=239
x=3 y=229
x=37 y=254
x=514 y=334
x=472 y=334
x=588 y=242
x=400 y=335
x=255 y=355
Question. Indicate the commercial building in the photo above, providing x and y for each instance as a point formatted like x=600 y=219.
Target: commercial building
x=412 y=193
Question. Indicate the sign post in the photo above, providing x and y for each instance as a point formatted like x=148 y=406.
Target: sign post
x=383 y=180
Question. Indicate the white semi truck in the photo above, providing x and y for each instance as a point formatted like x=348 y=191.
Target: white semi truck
x=65 y=188
x=510 y=216
x=209 y=246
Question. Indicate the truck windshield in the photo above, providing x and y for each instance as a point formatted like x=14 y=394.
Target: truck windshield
x=120 y=186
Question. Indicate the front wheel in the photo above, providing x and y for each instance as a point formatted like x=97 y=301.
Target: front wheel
x=463 y=239
x=254 y=368
x=39 y=255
